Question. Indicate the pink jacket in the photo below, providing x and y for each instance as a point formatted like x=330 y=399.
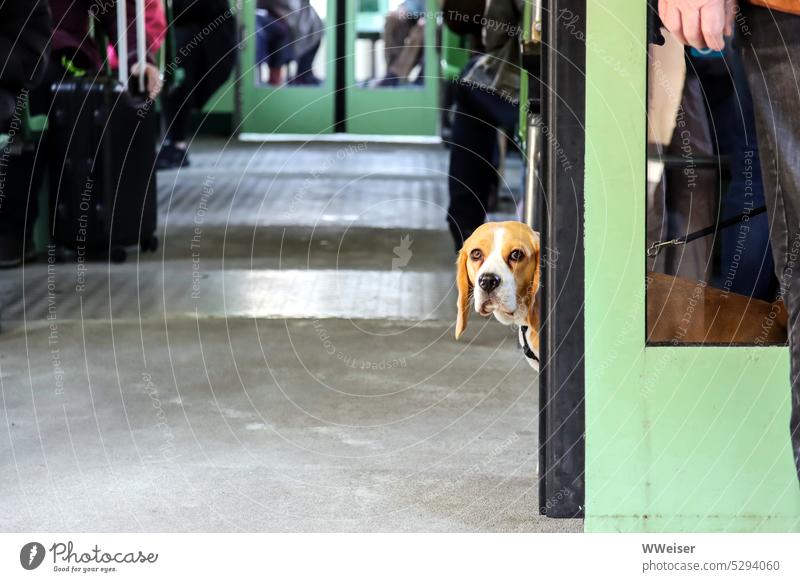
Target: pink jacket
x=155 y=23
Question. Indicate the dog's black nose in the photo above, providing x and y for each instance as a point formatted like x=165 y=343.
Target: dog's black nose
x=488 y=282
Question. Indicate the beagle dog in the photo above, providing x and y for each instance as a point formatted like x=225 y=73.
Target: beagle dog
x=497 y=272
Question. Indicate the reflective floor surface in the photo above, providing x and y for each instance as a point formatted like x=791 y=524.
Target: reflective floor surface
x=284 y=362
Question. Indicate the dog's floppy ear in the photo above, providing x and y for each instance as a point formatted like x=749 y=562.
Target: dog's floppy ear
x=533 y=288
x=462 y=282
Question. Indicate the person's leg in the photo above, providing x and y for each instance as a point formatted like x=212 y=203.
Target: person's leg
x=473 y=154
x=262 y=36
x=409 y=54
x=280 y=51
x=216 y=63
x=746 y=265
x=177 y=101
x=772 y=64
x=305 y=65
x=395 y=31
x=206 y=68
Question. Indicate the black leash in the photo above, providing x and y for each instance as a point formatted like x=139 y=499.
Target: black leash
x=656 y=247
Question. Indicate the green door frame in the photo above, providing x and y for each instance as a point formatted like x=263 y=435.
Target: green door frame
x=316 y=110
x=677 y=438
x=393 y=111
x=268 y=110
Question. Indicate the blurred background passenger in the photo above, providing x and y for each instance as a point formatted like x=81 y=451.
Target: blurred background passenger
x=205 y=48
x=404 y=37
x=273 y=47
x=291 y=31
x=487 y=100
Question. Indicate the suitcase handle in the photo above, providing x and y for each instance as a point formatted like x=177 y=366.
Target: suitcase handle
x=122 y=42
x=141 y=42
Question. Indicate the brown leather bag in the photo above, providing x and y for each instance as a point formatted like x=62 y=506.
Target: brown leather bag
x=790 y=6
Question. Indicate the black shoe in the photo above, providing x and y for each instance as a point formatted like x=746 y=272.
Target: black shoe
x=307 y=78
x=389 y=81
x=14 y=249
x=171 y=157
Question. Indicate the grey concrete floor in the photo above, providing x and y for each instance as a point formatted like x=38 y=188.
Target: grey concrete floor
x=297 y=373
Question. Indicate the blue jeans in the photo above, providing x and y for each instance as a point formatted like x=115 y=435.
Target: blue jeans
x=746 y=264
x=273 y=41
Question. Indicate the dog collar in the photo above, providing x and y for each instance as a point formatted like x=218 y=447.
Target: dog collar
x=526 y=349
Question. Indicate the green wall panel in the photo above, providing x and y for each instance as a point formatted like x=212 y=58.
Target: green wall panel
x=268 y=109
x=395 y=111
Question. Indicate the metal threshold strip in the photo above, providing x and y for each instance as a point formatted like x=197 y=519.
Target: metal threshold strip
x=340 y=138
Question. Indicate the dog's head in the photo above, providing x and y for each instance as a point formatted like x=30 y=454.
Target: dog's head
x=498 y=272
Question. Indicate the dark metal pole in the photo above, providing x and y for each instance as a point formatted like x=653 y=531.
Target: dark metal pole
x=340 y=66
x=562 y=458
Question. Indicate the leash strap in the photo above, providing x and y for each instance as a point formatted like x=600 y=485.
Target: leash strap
x=658 y=246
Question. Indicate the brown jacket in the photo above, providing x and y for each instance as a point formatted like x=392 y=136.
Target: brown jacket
x=791 y=6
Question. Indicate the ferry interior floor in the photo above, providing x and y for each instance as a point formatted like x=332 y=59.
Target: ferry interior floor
x=284 y=362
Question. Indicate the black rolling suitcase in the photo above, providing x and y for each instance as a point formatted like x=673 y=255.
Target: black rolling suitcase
x=103 y=151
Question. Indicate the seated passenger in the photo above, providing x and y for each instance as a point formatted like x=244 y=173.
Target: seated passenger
x=72 y=51
x=296 y=36
x=205 y=39
x=273 y=47
x=404 y=37
x=487 y=99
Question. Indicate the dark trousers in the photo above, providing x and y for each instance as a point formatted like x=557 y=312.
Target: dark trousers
x=206 y=68
x=772 y=64
x=474 y=156
x=305 y=62
x=273 y=41
x=746 y=261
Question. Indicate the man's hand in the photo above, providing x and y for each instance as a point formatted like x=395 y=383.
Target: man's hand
x=152 y=77
x=698 y=23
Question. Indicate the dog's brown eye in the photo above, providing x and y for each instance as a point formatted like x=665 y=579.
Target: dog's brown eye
x=476 y=255
x=516 y=255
